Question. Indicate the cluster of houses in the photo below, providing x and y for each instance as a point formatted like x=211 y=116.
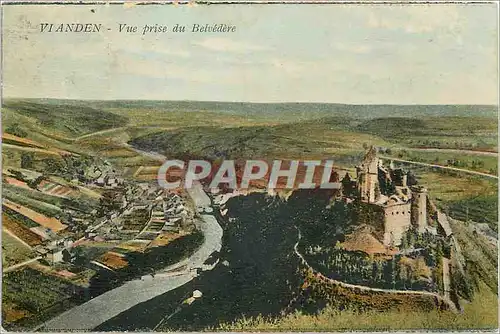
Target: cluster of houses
x=104 y=176
x=109 y=181
x=56 y=250
x=168 y=214
x=175 y=211
x=143 y=212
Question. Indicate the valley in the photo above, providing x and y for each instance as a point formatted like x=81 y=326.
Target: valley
x=82 y=209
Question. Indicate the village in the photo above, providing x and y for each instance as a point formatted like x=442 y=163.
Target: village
x=69 y=224
x=144 y=214
x=87 y=224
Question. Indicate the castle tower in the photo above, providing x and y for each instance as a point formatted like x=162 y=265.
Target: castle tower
x=347 y=186
x=367 y=175
x=420 y=206
x=405 y=179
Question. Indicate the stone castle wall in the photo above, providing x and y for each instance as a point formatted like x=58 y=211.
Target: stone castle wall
x=420 y=210
x=397 y=220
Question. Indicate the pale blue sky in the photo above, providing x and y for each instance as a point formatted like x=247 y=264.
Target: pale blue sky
x=395 y=54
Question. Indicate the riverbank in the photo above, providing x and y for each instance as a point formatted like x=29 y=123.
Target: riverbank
x=100 y=309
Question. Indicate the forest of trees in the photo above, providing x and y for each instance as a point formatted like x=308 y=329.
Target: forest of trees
x=400 y=272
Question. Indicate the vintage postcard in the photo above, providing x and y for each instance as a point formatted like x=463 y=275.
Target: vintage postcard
x=250 y=167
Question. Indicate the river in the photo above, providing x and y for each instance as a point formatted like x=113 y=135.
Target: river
x=100 y=309
x=256 y=274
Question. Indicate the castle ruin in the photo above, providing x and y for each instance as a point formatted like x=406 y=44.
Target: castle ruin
x=386 y=190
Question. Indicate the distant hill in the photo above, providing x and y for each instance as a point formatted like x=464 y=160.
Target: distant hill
x=313 y=110
x=284 y=111
x=292 y=140
x=63 y=118
x=392 y=127
x=303 y=127
x=321 y=137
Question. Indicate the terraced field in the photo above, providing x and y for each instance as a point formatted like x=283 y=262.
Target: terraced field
x=13 y=251
x=34 y=292
x=19 y=229
x=48 y=222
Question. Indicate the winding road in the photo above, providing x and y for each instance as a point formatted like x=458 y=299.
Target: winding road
x=98 y=310
x=453 y=150
x=441 y=167
x=22 y=264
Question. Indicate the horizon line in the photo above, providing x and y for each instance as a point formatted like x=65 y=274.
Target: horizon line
x=251 y=102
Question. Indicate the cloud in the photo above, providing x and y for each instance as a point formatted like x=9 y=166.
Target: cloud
x=191 y=72
x=353 y=48
x=289 y=66
x=228 y=45
x=417 y=19
x=152 y=51
x=376 y=54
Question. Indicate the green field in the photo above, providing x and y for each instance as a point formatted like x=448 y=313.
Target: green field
x=13 y=251
x=74 y=120
x=439 y=132
x=47 y=204
x=463 y=196
x=247 y=142
x=301 y=130
x=482 y=313
x=214 y=130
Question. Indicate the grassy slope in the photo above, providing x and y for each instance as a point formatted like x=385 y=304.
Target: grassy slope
x=322 y=138
x=256 y=130
x=482 y=209
x=441 y=132
x=241 y=130
x=13 y=251
x=48 y=204
x=297 y=140
x=482 y=313
x=64 y=119
x=289 y=111
x=456 y=193
x=480 y=255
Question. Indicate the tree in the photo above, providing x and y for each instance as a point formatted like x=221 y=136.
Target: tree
x=27 y=159
x=404 y=242
x=52 y=165
x=34 y=183
x=16 y=130
x=109 y=201
x=411 y=179
x=403 y=274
